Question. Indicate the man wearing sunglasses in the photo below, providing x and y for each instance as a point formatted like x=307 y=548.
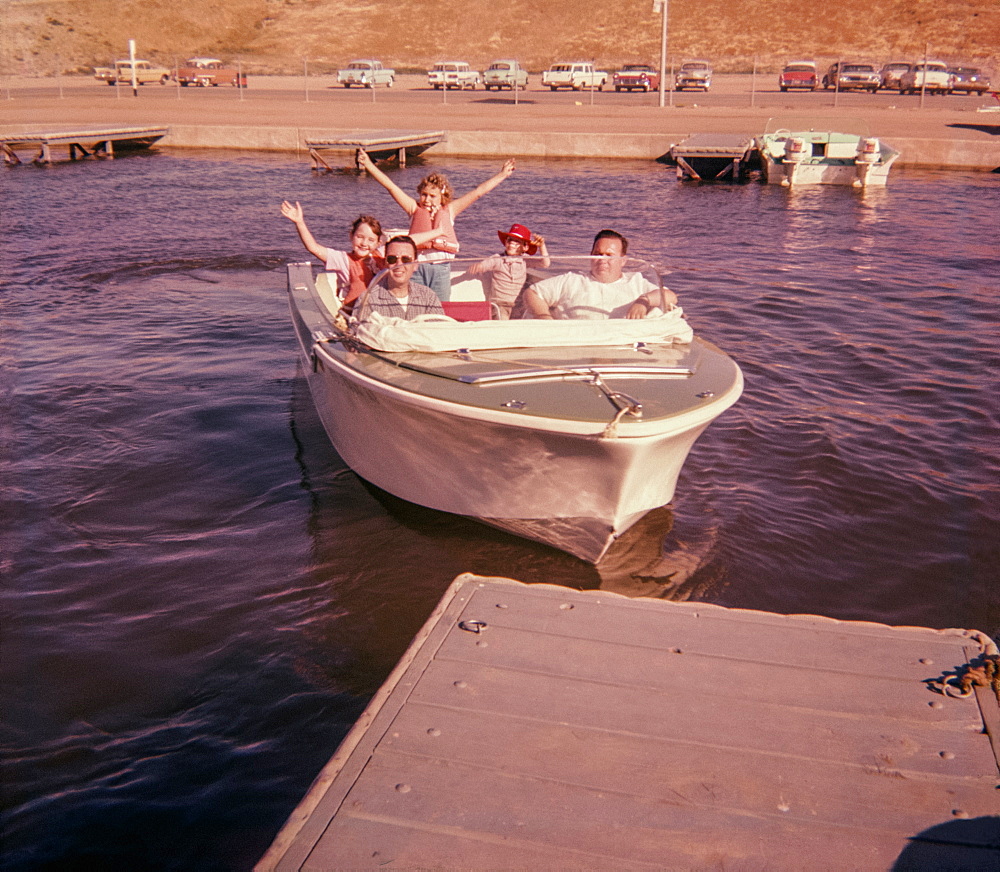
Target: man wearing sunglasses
x=397 y=296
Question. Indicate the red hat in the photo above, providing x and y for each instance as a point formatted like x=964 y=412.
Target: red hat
x=521 y=234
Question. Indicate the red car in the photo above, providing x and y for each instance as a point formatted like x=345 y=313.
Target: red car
x=641 y=76
x=800 y=74
x=209 y=73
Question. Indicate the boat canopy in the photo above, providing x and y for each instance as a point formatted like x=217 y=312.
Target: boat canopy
x=440 y=333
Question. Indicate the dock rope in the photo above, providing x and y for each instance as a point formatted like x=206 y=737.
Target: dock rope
x=983 y=671
x=625 y=405
x=611 y=430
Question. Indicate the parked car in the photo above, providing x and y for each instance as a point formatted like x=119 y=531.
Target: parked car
x=888 y=76
x=641 y=76
x=577 y=75
x=121 y=73
x=694 y=74
x=852 y=76
x=367 y=73
x=205 y=72
x=453 y=74
x=505 y=74
x=798 y=74
x=931 y=77
x=968 y=80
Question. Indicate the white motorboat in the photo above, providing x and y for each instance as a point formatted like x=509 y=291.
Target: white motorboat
x=806 y=156
x=565 y=432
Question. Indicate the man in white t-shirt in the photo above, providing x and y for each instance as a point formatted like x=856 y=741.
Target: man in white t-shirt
x=607 y=292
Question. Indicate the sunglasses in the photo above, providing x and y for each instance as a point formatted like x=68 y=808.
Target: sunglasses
x=401 y=258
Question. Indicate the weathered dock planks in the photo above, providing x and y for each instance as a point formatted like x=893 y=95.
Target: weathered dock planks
x=380 y=144
x=713 y=156
x=541 y=727
x=89 y=143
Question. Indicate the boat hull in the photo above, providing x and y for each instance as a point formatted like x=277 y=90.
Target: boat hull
x=575 y=485
x=831 y=164
x=577 y=492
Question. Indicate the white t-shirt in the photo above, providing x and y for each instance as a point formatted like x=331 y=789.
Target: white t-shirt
x=582 y=297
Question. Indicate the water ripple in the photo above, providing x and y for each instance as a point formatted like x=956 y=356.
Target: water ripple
x=199 y=597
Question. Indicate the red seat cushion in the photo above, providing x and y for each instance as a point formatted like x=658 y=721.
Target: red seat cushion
x=467 y=310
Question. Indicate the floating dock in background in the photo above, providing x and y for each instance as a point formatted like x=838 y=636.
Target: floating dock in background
x=101 y=142
x=381 y=145
x=539 y=727
x=713 y=156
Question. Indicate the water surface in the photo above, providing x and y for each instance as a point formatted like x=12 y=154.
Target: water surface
x=199 y=598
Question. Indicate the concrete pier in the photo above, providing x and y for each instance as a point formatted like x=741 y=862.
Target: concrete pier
x=926 y=153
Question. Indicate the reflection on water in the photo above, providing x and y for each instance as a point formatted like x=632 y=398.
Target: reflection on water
x=200 y=598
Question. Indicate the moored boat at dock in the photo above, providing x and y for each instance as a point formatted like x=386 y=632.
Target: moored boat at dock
x=565 y=432
x=804 y=155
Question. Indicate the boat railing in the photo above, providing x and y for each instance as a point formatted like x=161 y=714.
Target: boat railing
x=590 y=372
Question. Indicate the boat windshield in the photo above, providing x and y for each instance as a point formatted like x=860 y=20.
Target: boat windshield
x=802 y=123
x=501 y=301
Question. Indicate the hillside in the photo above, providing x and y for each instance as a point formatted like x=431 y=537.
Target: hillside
x=42 y=37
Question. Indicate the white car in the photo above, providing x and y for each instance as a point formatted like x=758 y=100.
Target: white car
x=931 y=77
x=505 y=74
x=121 y=73
x=577 y=76
x=367 y=73
x=694 y=74
x=453 y=74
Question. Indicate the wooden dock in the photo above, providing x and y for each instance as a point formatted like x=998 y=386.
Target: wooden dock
x=713 y=156
x=380 y=144
x=538 y=727
x=89 y=143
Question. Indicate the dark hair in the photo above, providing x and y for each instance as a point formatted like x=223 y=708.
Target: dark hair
x=370 y=221
x=405 y=240
x=612 y=234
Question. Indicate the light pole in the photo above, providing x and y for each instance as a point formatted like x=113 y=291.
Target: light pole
x=131 y=60
x=661 y=7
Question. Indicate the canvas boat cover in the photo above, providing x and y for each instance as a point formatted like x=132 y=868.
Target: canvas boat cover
x=440 y=333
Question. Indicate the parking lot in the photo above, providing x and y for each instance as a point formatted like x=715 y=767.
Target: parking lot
x=272 y=108
x=727 y=91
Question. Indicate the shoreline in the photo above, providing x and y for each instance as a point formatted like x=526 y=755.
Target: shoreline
x=278 y=113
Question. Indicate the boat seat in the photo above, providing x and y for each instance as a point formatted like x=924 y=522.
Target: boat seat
x=467 y=310
x=326 y=287
x=842 y=149
x=467 y=287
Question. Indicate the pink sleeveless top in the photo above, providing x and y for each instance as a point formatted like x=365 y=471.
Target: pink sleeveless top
x=421 y=220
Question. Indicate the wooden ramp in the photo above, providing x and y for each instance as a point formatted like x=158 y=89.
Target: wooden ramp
x=381 y=145
x=89 y=143
x=538 y=727
x=713 y=156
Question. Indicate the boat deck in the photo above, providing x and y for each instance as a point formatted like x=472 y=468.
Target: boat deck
x=89 y=143
x=380 y=144
x=542 y=727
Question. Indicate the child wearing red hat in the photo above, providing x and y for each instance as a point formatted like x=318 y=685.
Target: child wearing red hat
x=509 y=270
